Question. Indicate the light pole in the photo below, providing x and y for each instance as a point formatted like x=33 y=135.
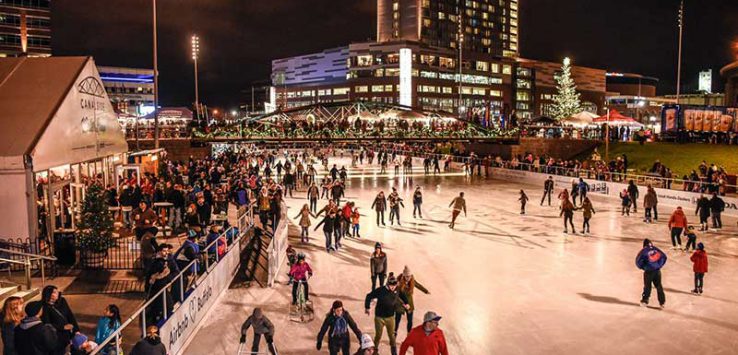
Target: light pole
x=156 y=81
x=679 y=59
x=195 y=56
x=607 y=136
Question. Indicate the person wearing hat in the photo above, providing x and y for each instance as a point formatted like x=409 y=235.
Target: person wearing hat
x=699 y=261
x=426 y=339
x=406 y=285
x=418 y=201
x=188 y=252
x=378 y=266
x=262 y=326
x=82 y=345
x=32 y=336
x=367 y=345
x=337 y=323
x=300 y=272
x=651 y=259
x=151 y=344
x=388 y=300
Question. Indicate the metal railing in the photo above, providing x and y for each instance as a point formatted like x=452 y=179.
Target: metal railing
x=27 y=261
x=161 y=295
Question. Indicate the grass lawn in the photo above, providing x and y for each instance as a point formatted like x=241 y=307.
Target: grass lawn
x=680 y=158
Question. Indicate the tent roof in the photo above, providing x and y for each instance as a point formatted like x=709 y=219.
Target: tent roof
x=617 y=119
x=31 y=91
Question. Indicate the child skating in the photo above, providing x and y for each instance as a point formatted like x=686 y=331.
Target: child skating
x=625 y=203
x=691 y=238
x=355 y=222
x=523 y=200
x=699 y=261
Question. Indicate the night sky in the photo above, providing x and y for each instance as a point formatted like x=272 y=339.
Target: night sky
x=239 y=38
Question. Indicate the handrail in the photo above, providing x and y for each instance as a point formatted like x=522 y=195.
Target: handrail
x=178 y=278
x=12 y=261
x=35 y=256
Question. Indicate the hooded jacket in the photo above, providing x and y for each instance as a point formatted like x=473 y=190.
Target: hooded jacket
x=32 y=337
x=650 y=258
x=260 y=323
x=149 y=346
x=678 y=219
x=699 y=260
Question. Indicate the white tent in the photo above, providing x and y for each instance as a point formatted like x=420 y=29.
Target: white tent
x=581 y=119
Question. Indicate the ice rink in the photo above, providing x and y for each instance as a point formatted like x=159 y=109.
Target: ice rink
x=504 y=283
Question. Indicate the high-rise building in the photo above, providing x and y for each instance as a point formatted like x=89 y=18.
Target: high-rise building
x=484 y=26
x=25 y=28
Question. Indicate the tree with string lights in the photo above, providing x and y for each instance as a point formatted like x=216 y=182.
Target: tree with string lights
x=566 y=101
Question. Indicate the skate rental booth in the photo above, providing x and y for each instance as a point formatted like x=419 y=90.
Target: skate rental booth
x=60 y=132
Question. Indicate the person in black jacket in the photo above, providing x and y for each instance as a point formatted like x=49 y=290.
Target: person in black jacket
x=548 y=188
x=717 y=205
x=32 y=336
x=151 y=344
x=703 y=209
x=57 y=313
x=329 y=225
x=388 y=300
x=337 y=323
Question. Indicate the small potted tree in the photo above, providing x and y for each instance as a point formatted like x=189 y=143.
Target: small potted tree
x=95 y=229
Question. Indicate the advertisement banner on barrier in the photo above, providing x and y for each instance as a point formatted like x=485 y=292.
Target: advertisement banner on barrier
x=183 y=323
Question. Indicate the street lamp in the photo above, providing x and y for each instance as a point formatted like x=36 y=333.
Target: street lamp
x=195 y=56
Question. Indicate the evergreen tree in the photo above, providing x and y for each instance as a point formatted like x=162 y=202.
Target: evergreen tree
x=566 y=101
x=95 y=228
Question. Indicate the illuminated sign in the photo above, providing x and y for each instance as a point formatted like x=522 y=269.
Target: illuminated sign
x=705 y=83
x=406 y=77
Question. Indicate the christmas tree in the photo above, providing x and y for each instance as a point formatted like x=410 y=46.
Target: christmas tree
x=566 y=102
x=95 y=227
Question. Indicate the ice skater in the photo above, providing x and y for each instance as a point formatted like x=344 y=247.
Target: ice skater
x=548 y=188
x=523 y=200
x=395 y=202
x=624 y=203
x=379 y=206
x=651 y=259
x=699 y=266
x=262 y=326
x=677 y=224
x=587 y=212
x=378 y=266
x=691 y=238
x=417 y=202
x=304 y=216
x=459 y=204
x=567 y=210
x=355 y=216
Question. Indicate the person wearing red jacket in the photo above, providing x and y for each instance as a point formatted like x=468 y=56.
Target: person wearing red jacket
x=677 y=225
x=426 y=339
x=699 y=261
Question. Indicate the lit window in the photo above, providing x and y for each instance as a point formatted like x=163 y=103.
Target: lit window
x=340 y=91
x=496 y=93
x=506 y=69
x=377 y=88
x=388 y=88
x=482 y=66
x=361 y=89
x=364 y=60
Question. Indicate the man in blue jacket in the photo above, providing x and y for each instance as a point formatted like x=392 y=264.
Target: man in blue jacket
x=651 y=259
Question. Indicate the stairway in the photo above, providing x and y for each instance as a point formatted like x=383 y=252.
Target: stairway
x=9 y=289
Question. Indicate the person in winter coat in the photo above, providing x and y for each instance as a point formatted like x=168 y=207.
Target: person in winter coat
x=406 y=285
x=633 y=193
x=691 y=238
x=567 y=210
x=337 y=324
x=329 y=225
x=587 y=212
x=677 y=224
x=367 y=345
x=33 y=336
x=300 y=273
x=304 y=223
x=426 y=339
x=388 y=299
x=548 y=187
x=107 y=325
x=417 y=202
x=11 y=317
x=583 y=188
x=262 y=326
x=649 y=203
x=625 y=202
x=651 y=259
x=523 y=200
x=394 y=204
x=717 y=205
x=313 y=194
x=380 y=205
x=151 y=344
x=378 y=266
x=699 y=266
x=703 y=209
x=59 y=315
x=355 y=217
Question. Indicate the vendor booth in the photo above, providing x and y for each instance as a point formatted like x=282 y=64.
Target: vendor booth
x=60 y=134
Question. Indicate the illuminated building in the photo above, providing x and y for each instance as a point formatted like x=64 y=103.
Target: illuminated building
x=25 y=28
x=130 y=90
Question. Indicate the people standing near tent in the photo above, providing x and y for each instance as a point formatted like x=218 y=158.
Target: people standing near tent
x=651 y=259
x=337 y=324
x=548 y=187
x=677 y=224
x=459 y=204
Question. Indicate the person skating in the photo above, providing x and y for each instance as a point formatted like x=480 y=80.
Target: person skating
x=703 y=209
x=651 y=259
x=304 y=223
x=379 y=206
x=677 y=224
x=300 y=273
x=563 y=196
x=418 y=202
x=355 y=217
x=384 y=312
x=587 y=212
x=717 y=206
x=583 y=188
x=367 y=345
x=378 y=266
x=523 y=200
x=548 y=187
x=329 y=225
x=691 y=238
x=567 y=210
x=574 y=191
x=459 y=204
x=633 y=193
x=625 y=203
x=394 y=203
x=426 y=339
x=649 y=203
x=406 y=285
x=337 y=324
x=699 y=266
x=262 y=327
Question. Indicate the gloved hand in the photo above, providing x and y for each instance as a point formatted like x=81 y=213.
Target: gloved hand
x=319 y=345
x=243 y=339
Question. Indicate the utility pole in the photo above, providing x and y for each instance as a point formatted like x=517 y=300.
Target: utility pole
x=195 y=57
x=156 y=82
x=679 y=58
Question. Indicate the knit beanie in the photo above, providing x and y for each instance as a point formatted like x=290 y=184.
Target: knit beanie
x=700 y=246
x=406 y=272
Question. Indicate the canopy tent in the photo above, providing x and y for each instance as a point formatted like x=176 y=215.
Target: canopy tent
x=543 y=121
x=581 y=119
x=616 y=118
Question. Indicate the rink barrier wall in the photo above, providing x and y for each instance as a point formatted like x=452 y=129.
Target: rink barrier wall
x=672 y=198
x=277 y=249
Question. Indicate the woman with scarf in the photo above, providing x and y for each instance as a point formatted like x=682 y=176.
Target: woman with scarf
x=337 y=323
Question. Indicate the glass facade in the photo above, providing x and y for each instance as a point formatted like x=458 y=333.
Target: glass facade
x=25 y=27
